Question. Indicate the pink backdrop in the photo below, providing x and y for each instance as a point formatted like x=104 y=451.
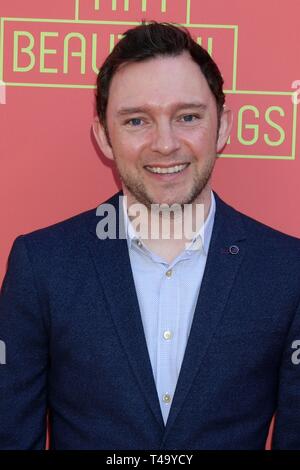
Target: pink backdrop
x=49 y=167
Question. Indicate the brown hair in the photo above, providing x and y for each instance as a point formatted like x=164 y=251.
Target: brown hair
x=150 y=40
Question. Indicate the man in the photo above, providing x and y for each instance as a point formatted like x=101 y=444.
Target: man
x=141 y=342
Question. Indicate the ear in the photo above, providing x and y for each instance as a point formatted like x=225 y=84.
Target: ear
x=101 y=139
x=225 y=128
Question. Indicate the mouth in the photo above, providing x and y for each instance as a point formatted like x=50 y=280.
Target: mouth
x=167 y=170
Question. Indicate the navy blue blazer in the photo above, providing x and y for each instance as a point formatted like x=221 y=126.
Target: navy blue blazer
x=75 y=344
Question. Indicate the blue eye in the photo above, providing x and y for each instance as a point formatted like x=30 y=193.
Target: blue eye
x=189 y=117
x=135 y=122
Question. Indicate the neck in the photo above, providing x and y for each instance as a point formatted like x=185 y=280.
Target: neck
x=171 y=224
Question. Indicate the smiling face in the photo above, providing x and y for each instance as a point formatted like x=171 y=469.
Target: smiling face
x=163 y=130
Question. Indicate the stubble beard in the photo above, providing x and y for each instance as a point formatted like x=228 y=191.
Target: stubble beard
x=141 y=195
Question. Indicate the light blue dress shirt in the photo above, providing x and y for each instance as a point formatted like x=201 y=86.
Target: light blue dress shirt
x=167 y=296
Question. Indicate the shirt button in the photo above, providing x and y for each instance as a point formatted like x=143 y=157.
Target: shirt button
x=166 y=398
x=169 y=273
x=167 y=334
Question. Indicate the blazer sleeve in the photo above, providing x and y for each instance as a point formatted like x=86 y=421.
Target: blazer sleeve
x=286 y=435
x=24 y=356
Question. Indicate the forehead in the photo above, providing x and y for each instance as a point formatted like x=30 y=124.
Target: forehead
x=159 y=81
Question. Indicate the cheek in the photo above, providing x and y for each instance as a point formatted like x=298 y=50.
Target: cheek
x=203 y=136
x=127 y=147
x=201 y=142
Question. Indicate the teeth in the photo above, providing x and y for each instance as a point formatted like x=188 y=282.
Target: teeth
x=172 y=169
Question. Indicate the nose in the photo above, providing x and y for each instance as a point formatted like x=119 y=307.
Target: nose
x=164 y=140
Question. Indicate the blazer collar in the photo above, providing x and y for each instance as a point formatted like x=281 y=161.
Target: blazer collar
x=224 y=213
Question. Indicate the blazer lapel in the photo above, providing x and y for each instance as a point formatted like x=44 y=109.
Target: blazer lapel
x=112 y=262
x=218 y=280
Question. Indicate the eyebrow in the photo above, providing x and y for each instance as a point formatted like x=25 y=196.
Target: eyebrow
x=145 y=109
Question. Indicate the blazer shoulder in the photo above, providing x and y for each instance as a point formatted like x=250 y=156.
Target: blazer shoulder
x=268 y=234
x=257 y=231
x=70 y=230
x=64 y=230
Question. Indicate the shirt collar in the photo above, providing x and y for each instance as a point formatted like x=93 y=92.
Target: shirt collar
x=200 y=241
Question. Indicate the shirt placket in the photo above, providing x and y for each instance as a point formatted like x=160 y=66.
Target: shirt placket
x=167 y=339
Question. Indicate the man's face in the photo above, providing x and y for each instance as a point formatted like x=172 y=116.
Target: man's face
x=163 y=129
